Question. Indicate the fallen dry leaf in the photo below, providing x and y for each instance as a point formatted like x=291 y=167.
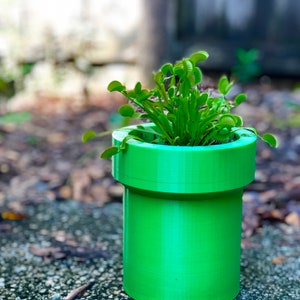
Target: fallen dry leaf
x=65 y=192
x=80 y=182
x=278 y=260
x=116 y=191
x=11 y=215
x=293 y=219
x=273 y=214
x=79 y=292
x=49 y=252
x=99 y=194
x=56 y=138
x=248 y=244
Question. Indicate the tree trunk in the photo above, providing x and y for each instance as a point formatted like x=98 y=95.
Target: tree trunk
x=153 y=38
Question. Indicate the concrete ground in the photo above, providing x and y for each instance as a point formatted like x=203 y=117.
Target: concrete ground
x=67 y=249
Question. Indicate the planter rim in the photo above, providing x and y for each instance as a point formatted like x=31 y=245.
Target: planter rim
x=120 y=134
x=184 y=169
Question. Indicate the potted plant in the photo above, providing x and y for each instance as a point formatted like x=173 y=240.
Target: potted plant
x=183 y=175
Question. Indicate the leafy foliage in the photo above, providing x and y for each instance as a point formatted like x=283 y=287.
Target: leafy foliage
x=247 y=67
x=15 y=117
x=12 y=78
x=183 y=114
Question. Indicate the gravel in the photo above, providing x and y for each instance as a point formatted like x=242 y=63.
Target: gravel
x=61 y=228
x=63 y=246
x=270 y=264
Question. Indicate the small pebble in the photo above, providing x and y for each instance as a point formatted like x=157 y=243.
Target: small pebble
x=56 y=297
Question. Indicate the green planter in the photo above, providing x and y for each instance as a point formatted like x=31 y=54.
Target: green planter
x=182 y=217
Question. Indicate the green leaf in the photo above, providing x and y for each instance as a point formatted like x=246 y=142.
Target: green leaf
x=144 y=94
x=130 y=94
x=179 y=70
x=202 y=99
x=109 y=152
x=198 y=75
x=171 y=117
x=247 y=56
x=242 y=55
x=116 y=86
x=126 y=110
x=199 y=56
x=185 y=88
x=188 y=65
x=88 y=135
x=131 y=136
x=270 y=139
x=26 y=68
x=158 y=77
x=171 y=91
x=138 y=87
x=223 y=82
x=228 y=120
x=252 y=129
x=239 y=99
x=228 y=88
x=167 y=68
x=15 y=117
x=211 y=101
x=3 y=85
x=238 y=120
x=224 y=85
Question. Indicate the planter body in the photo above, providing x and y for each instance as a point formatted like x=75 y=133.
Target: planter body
x=182 y=217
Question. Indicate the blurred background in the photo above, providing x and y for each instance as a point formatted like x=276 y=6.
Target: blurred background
x=56 y=60
x=74 y=48
x=58 y=56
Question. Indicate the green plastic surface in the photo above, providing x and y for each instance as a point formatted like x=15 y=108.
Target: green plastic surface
x=182 y=234
x=184 y=248
x=181 y=169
